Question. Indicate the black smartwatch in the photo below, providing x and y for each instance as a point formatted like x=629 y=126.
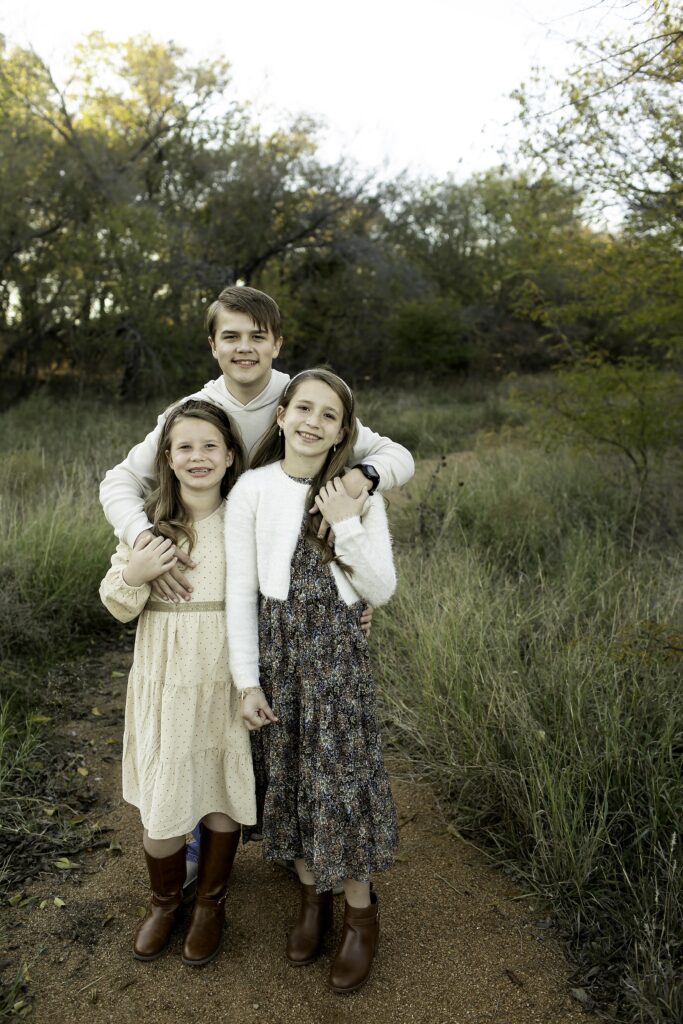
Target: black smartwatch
x=371 y=474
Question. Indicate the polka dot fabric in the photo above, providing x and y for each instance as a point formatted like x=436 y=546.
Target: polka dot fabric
x=186 y=751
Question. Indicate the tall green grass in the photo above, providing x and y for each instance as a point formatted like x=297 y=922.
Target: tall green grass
x=434 y=421
x=56 y=544
x=530 y=664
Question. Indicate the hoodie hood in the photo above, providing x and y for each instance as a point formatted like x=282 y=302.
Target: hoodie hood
x=216 y=391
x=254 y=418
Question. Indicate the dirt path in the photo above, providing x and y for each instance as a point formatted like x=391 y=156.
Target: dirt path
x=456 y=946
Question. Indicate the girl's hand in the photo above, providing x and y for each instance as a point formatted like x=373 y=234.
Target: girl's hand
x=334 y=504
x=256 y=711
x=152 y=558
x=174 y=584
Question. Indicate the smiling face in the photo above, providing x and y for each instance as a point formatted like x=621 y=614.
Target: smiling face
x=311 y=423
x=198 y=456
x=244 y=353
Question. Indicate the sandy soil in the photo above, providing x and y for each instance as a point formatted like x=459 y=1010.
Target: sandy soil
x=458 y=944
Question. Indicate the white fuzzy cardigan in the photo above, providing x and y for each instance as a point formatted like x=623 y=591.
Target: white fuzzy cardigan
x=262 y=525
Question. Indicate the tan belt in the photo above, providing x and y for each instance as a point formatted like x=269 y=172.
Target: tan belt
x=185 y=606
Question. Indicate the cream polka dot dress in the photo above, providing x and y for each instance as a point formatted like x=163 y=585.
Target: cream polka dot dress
x=186 y=751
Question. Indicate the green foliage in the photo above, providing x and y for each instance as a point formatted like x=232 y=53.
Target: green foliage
x=628 y=406
x=15 y=1001
x=131 y=197
x=614 y=127
x=442 y=420
x=129 y=203
x=56 y=545
x=427 y=340
x=530 y=665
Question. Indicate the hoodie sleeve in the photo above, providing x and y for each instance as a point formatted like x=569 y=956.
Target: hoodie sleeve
x=125 y=487
x=393 y=462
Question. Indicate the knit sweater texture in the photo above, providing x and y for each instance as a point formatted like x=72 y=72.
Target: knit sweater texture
x=262 y=526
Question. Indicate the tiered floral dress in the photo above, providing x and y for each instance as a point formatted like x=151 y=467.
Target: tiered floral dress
x=323 y=792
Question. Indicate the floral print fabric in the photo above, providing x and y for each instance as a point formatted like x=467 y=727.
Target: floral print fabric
x=322 y=789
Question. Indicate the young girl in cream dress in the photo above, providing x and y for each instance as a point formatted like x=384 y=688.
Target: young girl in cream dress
x=186 y=753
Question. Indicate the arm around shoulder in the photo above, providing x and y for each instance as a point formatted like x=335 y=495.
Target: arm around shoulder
x=125 y=487
x=393 y=462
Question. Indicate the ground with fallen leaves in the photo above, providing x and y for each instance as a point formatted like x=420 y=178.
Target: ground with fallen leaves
x=459 y=943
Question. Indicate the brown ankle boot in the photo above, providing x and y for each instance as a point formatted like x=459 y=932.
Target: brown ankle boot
x=357 y=947
x=166 y=876
x=315 y=919
x=216 y=853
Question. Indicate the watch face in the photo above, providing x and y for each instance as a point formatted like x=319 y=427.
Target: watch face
x=371 y=473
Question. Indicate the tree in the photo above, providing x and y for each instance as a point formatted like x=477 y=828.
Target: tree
x=143 y=197
x=615 y=130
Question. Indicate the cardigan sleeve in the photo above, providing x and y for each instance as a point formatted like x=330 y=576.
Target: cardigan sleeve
x=242 y=588
x=124 y=602
x=364 y=544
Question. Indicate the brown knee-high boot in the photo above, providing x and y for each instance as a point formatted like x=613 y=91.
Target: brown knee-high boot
x=357 y=947
x=315 y=919
x=216 y=853
x=166 y=876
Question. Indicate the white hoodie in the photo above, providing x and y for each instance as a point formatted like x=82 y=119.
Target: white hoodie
x=124 y=488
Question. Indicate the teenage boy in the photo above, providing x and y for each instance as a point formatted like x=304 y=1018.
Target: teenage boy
x=245 y=335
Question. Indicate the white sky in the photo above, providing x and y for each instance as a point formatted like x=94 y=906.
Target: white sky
x=421 y=85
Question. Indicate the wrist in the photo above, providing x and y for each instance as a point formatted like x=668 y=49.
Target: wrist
x=370 y=475
x=248 y=691
x=354 y=481
x=131 y=579
x=142 y=539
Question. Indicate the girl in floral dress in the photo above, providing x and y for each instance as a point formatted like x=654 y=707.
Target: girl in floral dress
x=300 y=660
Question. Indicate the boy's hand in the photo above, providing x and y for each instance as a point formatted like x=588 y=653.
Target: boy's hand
x=172 y=585
x=256 y=711
x=354 y=483
x=335 y=504
x=152 y=558
x=366 y=619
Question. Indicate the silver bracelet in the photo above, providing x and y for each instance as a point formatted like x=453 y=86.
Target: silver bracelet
x=250 y=689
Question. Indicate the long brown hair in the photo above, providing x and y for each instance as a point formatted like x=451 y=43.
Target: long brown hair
x=164 y=507
x=272 y=448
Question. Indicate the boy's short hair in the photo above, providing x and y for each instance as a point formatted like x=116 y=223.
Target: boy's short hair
x=263 y=310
